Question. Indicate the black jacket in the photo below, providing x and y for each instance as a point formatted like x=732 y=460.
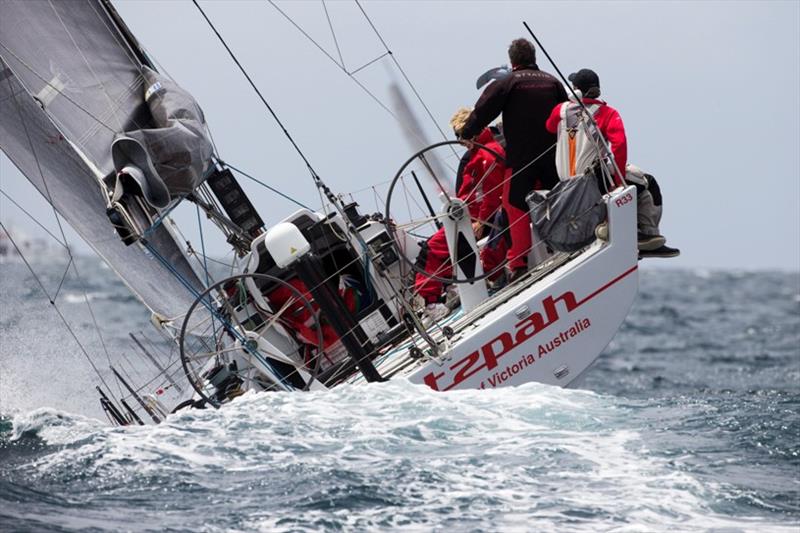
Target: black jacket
x=525 y=97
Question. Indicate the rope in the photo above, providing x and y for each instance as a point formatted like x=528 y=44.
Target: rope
x=170 y=267
x=162 y=216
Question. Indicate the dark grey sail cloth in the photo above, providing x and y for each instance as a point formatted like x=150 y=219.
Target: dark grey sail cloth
x=175 y=154
x=566 y=216
x=69 y=85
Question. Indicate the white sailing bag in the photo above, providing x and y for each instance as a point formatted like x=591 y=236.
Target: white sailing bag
x=578 y=141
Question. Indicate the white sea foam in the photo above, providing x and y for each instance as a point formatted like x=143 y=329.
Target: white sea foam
x=398 y=456
x=697 y=432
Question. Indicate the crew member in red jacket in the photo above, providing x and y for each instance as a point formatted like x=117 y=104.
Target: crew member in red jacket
x=607 y=118
x=569 y=160
x=480 y=185
x=525 y=98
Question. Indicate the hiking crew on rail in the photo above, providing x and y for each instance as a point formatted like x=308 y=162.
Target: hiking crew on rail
x=537 y=116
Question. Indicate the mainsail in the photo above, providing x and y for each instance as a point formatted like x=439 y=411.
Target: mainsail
x=71 y=81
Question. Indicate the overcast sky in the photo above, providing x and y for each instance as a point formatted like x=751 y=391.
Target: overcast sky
x=709 y=93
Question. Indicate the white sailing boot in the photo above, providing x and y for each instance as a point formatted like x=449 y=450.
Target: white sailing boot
x=435 y=312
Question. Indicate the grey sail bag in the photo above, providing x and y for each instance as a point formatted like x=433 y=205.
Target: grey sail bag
x=566 y=216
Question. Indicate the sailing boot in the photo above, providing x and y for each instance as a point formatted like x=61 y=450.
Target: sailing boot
x=662 y=251
x=452 y=299
x=516 y=274
x=434 y=312
x=648 y=243
x=601 y=231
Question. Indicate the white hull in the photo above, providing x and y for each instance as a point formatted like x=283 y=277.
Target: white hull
x=548 y=330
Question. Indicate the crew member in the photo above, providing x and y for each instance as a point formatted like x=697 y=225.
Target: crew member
x=578 y=153
x=525 y=98
x=570 y=116
x=480 y=184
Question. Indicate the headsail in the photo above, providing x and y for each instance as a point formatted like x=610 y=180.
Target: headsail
x=70 y=83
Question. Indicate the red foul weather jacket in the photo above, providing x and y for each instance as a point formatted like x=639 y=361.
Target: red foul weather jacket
x=480 y=185
x=482 y=179
x=610 y=124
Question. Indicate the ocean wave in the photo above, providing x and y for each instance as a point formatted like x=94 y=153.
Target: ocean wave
x=383 y=456
x=694 y=428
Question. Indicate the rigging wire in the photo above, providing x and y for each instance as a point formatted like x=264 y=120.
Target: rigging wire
x=163 y=384
x=276 y=191
x=61 y=230
x=321 y=187
x=133 y=369
x=49 y=197
x=116 y=34
x=36 y=221
x=56 y=89
x=25 y=260
x=198 y=255
x=205 y=263
x=57 y=310
x=88 y=65
x=63 y=277
x=368 y=63
x=314 y=174
x=403 y=72
x=333 y=33
x=156 y=350
x=606 y=149
x=350 y=74
x=276 y=118
x=203 y=246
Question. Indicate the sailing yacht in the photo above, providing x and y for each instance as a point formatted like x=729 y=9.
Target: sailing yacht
x=323 y=298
